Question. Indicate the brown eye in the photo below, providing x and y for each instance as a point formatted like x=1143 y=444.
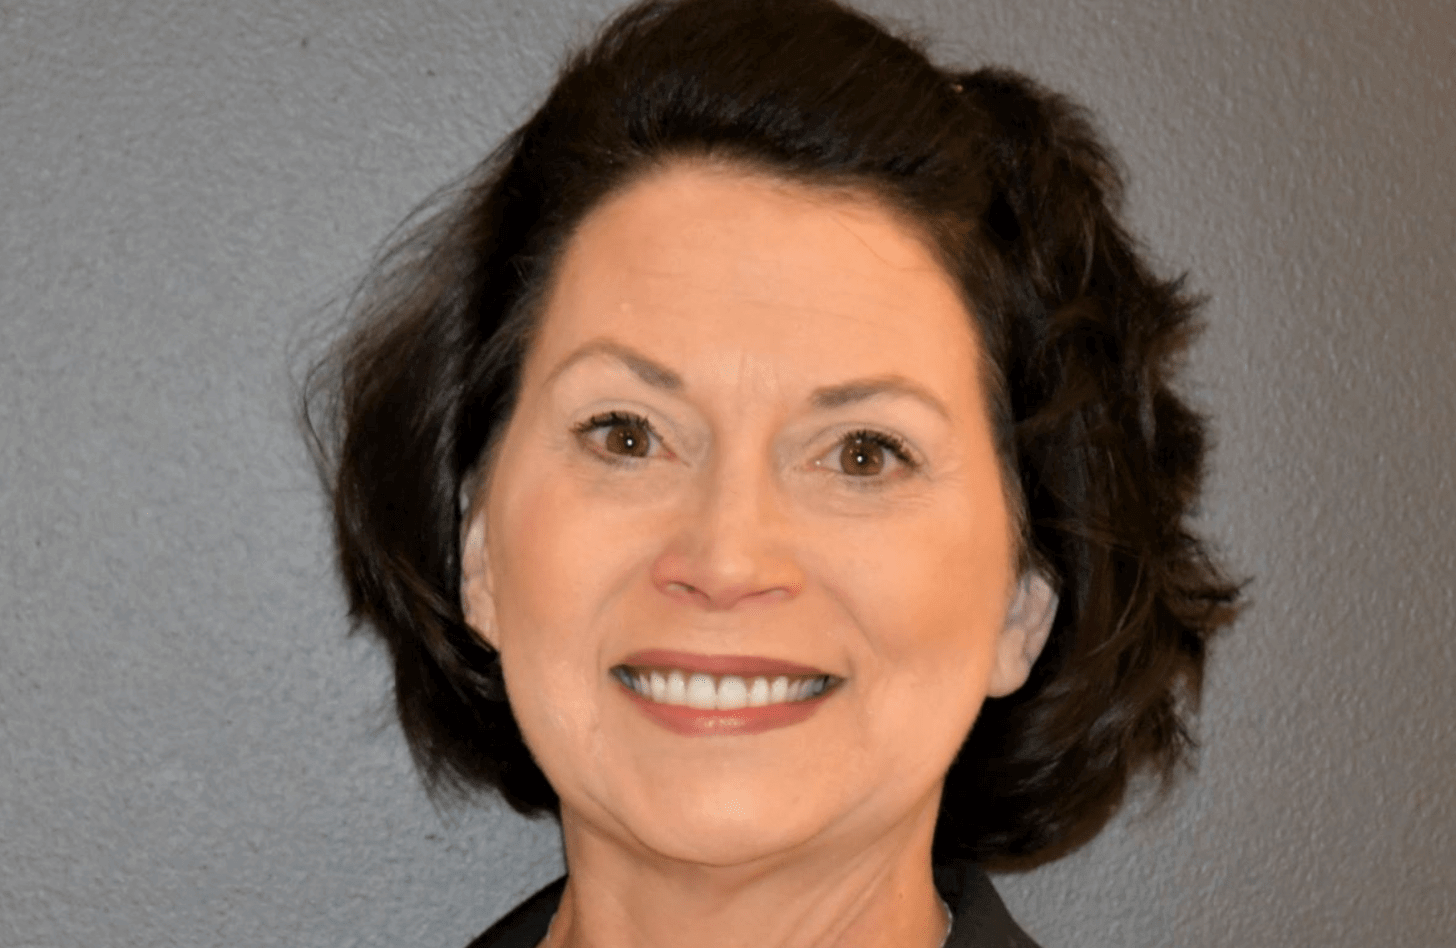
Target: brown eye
x=628 y=438
x=861 y=456
x=621 y=437
x=619 y=434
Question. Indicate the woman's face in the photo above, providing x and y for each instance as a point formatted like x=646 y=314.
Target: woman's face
x=744 y=548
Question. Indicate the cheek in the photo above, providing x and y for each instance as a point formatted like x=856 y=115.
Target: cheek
x=930 y=604
x=534 y=549
x=564 y=559
x=564 y=540
x=538 y=541
x=547 y=668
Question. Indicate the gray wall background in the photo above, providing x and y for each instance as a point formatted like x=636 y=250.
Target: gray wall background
x=192 y=752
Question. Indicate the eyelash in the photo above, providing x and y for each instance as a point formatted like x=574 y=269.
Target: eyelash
x=608 y=420
x=885 y=440
x=582 y=430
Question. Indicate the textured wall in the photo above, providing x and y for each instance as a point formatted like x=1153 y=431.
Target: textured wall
x=193 y=753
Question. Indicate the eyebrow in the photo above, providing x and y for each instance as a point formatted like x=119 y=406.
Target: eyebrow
x=823 y=398
x=652 y=373
x=859 y=390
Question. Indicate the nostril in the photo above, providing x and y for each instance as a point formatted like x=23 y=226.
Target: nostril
x=717 y=579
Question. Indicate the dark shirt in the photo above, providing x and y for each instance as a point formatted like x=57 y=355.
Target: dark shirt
x=980 y=919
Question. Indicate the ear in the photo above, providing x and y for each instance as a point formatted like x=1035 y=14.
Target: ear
x=1028 y=622
x=477 y=598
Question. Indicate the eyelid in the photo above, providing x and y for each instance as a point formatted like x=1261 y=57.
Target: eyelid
x=617 y=416
x=894 y=445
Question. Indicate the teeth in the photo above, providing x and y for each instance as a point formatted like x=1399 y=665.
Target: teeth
x=723 y=693
x=732 y=693
x=701 y=693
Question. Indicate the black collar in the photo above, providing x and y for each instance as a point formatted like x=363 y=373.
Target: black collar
x=981 y=919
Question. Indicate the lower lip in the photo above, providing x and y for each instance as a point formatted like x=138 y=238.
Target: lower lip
x=696 y=722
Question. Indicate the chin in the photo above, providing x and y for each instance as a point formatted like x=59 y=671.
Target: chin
x=716 y=825
x=720 y=835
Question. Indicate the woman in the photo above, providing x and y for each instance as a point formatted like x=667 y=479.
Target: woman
x=766 y=464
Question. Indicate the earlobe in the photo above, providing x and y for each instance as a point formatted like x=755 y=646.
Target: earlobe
x=477 y=600
x=1028 y=623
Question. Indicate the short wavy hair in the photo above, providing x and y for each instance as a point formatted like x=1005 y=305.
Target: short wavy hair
x=1015 y=191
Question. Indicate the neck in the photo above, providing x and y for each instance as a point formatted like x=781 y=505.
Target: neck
x=867 y=896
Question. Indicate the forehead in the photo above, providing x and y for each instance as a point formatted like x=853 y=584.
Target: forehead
x=698 y=259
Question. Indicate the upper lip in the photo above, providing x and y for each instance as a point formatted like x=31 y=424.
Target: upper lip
x=743 y=665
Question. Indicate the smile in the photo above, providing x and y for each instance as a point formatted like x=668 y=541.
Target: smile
x=704 y=692
x=697 y=695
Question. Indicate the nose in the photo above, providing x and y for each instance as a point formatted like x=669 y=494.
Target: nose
x=733 y=546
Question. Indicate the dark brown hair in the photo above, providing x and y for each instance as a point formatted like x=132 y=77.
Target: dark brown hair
x=1010 y=184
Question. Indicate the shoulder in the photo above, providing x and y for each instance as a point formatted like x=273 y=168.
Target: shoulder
x=980 y=918
x=526 y=924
